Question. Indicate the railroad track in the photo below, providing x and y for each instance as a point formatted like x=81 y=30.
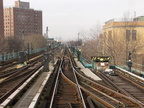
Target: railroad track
x=89 y=100
x=8 y=62
x=114 y=98
x=10 y=65
x=125 y=86
x=14 y=71
x=66 y=93
x=121 y=99
x=13 y=81
x=132 y=85
x=134 y=79
x=73 y=90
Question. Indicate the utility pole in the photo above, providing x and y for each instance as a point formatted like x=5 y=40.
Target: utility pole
x=47 y=32
x=78 y=39
x=46 y=61
x=31 y=48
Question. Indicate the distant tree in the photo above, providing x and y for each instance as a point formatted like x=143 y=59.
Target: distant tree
x=14 y=44
x=3 y=46
x=37 y=41
x=92 y=42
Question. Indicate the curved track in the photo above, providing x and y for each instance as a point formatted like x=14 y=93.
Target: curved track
x=66 y=93
x=73 y=90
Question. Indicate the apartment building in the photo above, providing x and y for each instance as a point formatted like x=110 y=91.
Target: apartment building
x=1 y=20
x=21 y=20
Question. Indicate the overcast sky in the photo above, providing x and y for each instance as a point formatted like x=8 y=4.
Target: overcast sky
x=66 y=18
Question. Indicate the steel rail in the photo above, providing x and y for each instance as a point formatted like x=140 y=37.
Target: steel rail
x=18 y=85
x=120 y=89
x=113 y=99
x=114 y=92
x=74 y=71
x=132 y=76
x=129 y=98
x=56 y=84
x=18 y=73
x=15 y=93
x=106 y=104
x=75 y=84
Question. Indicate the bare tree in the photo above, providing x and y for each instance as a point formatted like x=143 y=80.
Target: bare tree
x=38 y=41
x=127 y=38
x=14 y=44
x=4 y=46
x=92 y=42
x=116 y=43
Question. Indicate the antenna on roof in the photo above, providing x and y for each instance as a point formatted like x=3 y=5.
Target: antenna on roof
x=47 y=32
x=134 y=14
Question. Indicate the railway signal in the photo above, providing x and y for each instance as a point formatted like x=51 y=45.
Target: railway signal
x=46 y=62
x=129 y=63
x=79 y=54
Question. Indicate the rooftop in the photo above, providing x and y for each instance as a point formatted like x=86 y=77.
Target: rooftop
x=139 y=18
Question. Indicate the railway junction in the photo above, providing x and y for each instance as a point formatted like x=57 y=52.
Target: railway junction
x=57 y=78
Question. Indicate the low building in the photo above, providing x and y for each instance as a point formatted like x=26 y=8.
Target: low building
x=122 y=36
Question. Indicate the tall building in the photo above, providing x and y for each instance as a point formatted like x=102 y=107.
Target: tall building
x=1 y=20
x=21 y=20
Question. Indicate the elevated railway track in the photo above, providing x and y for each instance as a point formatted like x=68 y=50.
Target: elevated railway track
x=68 y=87
x=72 y=89
x=66 y=93
x=10 y=81
x=125 y=84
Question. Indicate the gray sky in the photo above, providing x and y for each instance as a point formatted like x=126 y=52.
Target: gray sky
x=65 y=18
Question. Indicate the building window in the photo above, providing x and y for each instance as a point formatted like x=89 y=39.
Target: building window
x=133 y=34
x=127 y=35
x=110 y=35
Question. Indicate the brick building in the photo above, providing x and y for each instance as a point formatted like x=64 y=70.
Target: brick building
x=1 y=20
x=122 y=36
x=21 y=20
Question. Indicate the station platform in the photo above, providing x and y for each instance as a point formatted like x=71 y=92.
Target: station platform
x=26 y=100
x=87 y=71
